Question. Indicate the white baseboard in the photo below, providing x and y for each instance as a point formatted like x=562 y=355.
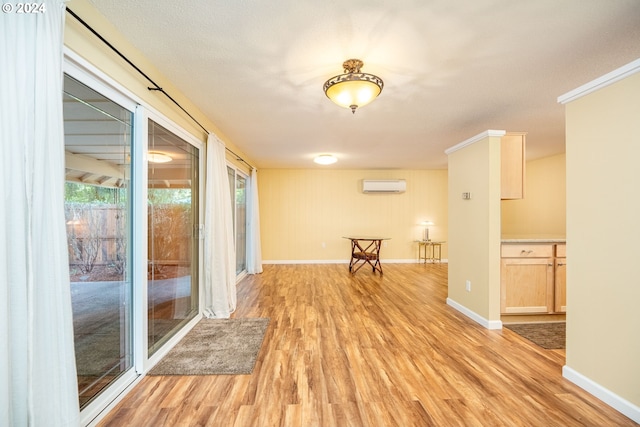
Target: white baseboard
x=345 y=261
x=489 y=324
x=607 y=396
x=306 y=261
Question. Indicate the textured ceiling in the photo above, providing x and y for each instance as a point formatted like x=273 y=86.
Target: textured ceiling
x=451 y=69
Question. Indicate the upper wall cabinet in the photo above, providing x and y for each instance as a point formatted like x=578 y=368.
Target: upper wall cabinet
x=512 y=174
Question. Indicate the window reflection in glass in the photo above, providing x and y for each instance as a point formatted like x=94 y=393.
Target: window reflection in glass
x=238 y=192
x=98 y=135
x=241 y=223
x=172 y=205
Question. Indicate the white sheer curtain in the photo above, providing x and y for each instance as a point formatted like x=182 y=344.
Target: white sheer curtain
x=38 y=384
x=254 y=250
x=219 y=237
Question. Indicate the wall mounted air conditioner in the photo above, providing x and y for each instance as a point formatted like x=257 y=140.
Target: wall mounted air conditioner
x=384 y=185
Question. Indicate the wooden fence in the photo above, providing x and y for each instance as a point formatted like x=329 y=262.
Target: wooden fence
x=97 y=235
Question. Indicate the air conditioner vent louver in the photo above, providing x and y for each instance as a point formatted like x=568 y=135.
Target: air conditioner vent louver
x=384 y=185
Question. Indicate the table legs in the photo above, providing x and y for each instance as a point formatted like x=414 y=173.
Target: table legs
x=366 y=255
x=435 y=248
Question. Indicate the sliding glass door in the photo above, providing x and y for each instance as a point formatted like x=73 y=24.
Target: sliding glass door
x=173 y=246
x=238 y=191
x=133 y=260
x=98 y=139
x=241 y=223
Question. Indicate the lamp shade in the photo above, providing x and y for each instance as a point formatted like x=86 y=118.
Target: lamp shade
x=426 y=225
x=353 y=89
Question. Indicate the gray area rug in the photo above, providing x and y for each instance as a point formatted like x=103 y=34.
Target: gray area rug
x=548 y=335
x=216 y=347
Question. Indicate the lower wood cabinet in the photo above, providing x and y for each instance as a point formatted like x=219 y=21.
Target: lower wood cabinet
x=532 y=279
x=560 y=279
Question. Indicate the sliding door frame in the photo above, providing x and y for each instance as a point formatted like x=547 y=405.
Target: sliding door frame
x=78 y=68
x=247 y=179
x=81 y=71
x=141 y=121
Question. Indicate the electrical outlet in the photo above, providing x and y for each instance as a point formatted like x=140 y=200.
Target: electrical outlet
x=324 y=245
x=468 y=286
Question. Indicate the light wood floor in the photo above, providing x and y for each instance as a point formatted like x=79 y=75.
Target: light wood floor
x=366 y=350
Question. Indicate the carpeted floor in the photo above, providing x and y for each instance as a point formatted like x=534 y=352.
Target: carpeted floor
x=215 y=347
x=549 y=335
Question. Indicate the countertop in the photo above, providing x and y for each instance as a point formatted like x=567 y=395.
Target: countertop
x=533 y=239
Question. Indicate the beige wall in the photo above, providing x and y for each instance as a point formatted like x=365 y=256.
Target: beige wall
x=603 y=232
x=81 y=41
x=542 y=213
x=474 y=227
x=303 y=209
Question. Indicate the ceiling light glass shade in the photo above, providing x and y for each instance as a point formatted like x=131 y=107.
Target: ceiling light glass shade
x=353 y=89
x=325 y=159
x=155 y=157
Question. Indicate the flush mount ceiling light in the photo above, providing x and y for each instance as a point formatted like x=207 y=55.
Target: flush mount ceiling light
x=325 y=159
x=156 y=157
x=353 y=89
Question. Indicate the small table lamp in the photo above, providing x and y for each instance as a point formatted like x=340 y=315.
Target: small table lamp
x=426 y=230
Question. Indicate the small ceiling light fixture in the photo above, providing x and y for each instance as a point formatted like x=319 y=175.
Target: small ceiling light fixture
x=156 y=157
x=353 y=89
x=325 y=159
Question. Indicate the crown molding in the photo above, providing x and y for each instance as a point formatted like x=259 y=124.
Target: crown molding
x=601 y=82
x=466 y=143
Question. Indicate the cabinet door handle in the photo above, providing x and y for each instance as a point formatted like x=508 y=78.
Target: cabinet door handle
x=561 y=263
x=526 y=252
x=550 y=265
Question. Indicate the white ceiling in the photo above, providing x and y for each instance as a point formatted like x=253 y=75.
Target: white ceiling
x=451 y=69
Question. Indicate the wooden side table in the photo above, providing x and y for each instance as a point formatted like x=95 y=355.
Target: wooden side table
x=365 y=250
x=431 y=247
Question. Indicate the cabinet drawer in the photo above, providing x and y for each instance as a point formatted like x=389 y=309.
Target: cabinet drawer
x=527 y=250
x=561 y=251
